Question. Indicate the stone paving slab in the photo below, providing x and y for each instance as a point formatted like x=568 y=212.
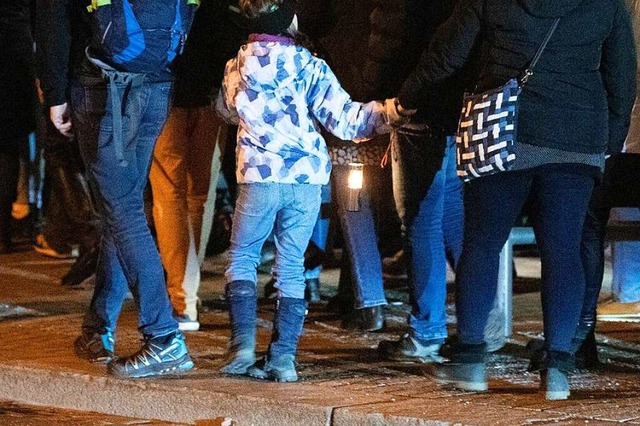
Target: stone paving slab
x=342 y=380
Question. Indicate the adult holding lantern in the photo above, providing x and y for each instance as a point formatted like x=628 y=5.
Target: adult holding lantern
x=574 y=109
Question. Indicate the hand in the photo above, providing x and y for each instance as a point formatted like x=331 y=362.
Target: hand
x=61 y=118
x=396 y=116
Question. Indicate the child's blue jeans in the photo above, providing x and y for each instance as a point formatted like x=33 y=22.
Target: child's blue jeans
x=291 y=211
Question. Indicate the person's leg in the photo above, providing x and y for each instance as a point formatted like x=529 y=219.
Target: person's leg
x=561 y=199
x=316 y=249
x=9 y=170
x=300 y=205
x=169 y=184
x=253 y=221
x=492 y=204
x=625 y=284
x=359 y=233
x=420 y=168
x=120 y=184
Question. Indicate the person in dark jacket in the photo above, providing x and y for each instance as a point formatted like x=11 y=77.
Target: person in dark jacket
x=574 y=109
x=17 y=103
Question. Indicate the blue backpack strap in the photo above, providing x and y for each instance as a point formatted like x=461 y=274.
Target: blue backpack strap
x=131 y=81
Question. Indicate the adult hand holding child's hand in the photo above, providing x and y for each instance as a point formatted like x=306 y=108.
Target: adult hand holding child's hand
x=396 y=116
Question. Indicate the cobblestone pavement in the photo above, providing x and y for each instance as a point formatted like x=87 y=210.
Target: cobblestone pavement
x=342 y=380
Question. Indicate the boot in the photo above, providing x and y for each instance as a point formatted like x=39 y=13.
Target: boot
x=553 y=378
x=243 y=304
x=554 y=383
x=287 y=329
x=466 y=371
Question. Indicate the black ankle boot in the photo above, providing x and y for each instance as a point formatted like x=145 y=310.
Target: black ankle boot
x=365 y=319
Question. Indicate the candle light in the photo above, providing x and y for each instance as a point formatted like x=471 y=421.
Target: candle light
x=354 y=184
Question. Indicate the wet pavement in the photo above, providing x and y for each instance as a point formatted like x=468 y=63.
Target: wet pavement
x=342 y=380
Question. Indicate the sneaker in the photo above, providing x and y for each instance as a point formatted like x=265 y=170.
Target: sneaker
x=410 y=349
x=619 y=311
x=186 y=323
x=95 y=347
x=158 y=356
x=42 y=247
x=554 y=384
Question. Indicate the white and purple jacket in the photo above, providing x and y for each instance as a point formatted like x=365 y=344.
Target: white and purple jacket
x=277 y=93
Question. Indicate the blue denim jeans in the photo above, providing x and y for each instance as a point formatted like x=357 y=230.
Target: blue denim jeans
x=560 y=194
x=128 y=255
x=625 y=256
x=291 y=211
x=320 y=231
x=360 y=233
x=429 y=201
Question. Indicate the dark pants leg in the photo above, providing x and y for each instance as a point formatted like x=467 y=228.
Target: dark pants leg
x=9 y=170
x=492 y=205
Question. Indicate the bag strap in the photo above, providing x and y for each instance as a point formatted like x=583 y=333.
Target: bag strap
x=529 y=71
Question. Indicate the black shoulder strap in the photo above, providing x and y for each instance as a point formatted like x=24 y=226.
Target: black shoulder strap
x=529 y=71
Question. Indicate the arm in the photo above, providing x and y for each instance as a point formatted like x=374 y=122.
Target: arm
x=619 y=69
x=225 y=102
x=53 y=41
x=332 y=106
x=447 y=52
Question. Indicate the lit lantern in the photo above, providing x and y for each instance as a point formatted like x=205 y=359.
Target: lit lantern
x=354 y=183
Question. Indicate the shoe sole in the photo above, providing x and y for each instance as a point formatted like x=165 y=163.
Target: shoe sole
x=53 y=254
x=465 y=386
x=415 y=359
x=188 y=326
x=556 y=395
x=619 y=318
x=166 y=371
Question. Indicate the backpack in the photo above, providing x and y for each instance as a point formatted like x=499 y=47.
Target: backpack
x=139 y=36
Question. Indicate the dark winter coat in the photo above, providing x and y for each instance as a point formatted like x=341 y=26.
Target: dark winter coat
x=62 y=35
x=17 y=83
x=582 y=91
x=215 y=37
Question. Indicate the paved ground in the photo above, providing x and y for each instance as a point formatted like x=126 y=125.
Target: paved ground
x=342 y=380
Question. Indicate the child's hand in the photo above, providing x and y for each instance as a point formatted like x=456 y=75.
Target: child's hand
x=395 y=115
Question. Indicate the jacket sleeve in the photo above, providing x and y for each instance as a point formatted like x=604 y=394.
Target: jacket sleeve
x=332 y=106
x=226 y=100
x=619 y=69
x=53 y=47
x=448 y=51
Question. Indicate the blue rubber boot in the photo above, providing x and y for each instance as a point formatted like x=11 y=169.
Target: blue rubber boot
x=287 y=328
x=243 y=304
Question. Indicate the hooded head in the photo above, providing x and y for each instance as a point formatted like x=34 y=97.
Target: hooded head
x=270 y=16
x=549 y=8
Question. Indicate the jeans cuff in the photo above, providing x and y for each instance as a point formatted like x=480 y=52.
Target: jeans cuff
x=468 y=354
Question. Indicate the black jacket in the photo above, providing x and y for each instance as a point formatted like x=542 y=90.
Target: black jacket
x=62 y=35
x=582 y=91
x=17 y=81
x=215 y=37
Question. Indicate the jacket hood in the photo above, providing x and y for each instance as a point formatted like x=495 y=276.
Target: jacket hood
x=266 y=66
x=549 y=8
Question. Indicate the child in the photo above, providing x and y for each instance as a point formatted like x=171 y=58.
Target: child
x=277 y=91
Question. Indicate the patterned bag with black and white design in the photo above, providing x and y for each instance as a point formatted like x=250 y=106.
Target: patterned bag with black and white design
x=487 y=131
x=486 y=135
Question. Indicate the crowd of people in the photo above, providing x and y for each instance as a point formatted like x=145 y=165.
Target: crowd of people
x=156 y=92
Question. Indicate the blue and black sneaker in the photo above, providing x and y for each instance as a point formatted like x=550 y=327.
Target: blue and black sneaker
x=161 y=355
x=95 y=347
